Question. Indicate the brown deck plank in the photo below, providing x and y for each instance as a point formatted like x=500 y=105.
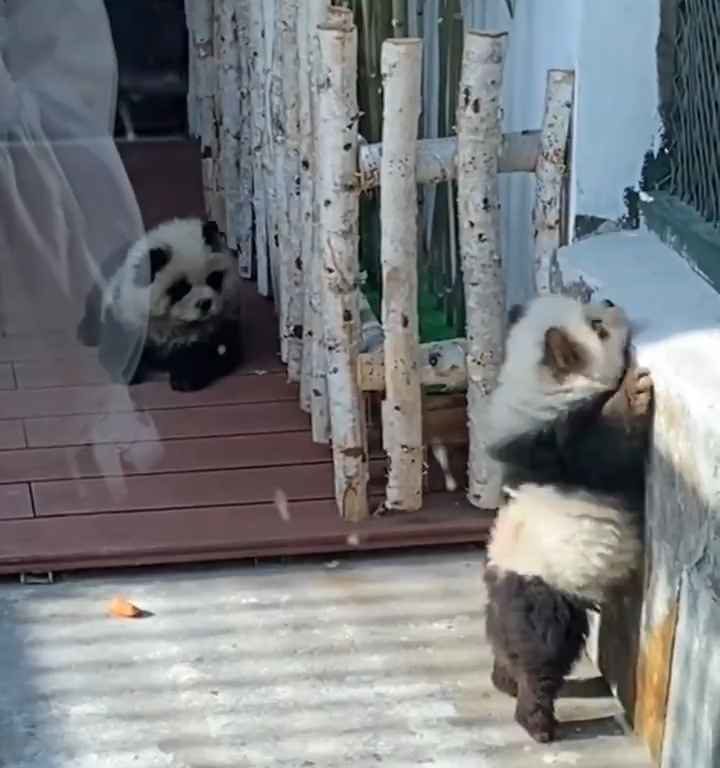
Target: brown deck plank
x=42 y=374
x=190 y=489
x=212 y=421
x=112 y=460
x=15 y=501
x=12 y=434
x=17 y=347
x=45 y=374
x=218 y=533
x=7 y=376
x=67 y=401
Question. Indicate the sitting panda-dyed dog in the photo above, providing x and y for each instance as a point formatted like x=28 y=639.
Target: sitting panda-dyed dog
x=171 y=301
x=569 y=420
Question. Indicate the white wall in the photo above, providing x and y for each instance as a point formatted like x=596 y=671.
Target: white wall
x=611 y=46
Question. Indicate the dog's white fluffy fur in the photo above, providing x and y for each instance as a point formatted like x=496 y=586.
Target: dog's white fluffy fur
x=527 y=395
x=191 y=257
x=579 y=543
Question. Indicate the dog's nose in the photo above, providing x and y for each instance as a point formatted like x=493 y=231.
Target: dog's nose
x=204 y=305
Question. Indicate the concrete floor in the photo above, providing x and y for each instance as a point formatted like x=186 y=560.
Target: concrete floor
x=364 y=661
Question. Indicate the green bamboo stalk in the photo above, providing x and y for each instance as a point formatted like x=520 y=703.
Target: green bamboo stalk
x=399 y=19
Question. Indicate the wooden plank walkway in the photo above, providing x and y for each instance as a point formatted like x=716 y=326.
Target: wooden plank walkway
x=95 y=474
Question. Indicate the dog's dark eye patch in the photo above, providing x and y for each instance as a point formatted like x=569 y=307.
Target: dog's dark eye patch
x=145 y=271
x=178 y=290
x=215 y=280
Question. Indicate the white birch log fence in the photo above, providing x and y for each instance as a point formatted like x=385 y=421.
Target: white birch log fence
x=319 y=404
x=244 y=225
x=283 y=168
x=201 y=23
x=230 y=92
x=274 y=205
x=216 y=179
x=280 y=202
x=479 y=144
x=441 y=365
x=401 y=67
x=256 y=62
x=338 y=193
x=340 y=18
x=437 y=158
x=549 y=174
x=293 y=292
x=312 y=13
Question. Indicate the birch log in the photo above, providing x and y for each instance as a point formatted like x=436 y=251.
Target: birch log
x=305 y=186
x=292 y=277
x=341 y=18
x=441 y=364
x=243 y=215
x=272 y=204
x=215 y=179
x=339 y=220
x=277 y=127
x=549 y=177
x=401 y=67
x=312 y=13
x=228 y=64
x=257 y=100
x=437 y=158
x=479 y=143
x=201 y=24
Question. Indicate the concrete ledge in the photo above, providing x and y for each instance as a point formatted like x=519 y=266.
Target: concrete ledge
x=667 y=673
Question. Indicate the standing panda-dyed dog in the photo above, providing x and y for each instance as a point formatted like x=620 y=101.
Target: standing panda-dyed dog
x=569 y=420
x=170 y=302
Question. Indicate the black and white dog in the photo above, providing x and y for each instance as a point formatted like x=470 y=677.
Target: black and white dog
x=569 y=420
x=173 y=300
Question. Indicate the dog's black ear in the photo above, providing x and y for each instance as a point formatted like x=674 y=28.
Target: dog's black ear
x=211 y=235
x=159 y=258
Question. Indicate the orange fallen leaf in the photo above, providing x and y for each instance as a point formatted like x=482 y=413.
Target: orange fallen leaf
x=124 y=609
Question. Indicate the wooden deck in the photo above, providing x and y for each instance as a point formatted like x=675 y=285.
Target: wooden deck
x=94 y=474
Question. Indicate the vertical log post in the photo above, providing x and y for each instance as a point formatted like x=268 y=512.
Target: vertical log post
x=292 y=276
x=479 y=143
x=277 y=125
x=312 y=13
x=200 y=21
x=216 y=179
x=257 y=100
x=549 y=177
x=401 y=68
x=230 y=89
x=338 y=193
x=243 y=215
x=272 y=205
x=320 y=404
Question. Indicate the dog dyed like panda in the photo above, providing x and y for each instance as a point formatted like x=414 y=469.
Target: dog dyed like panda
x=170 y=302
x=569 y=420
